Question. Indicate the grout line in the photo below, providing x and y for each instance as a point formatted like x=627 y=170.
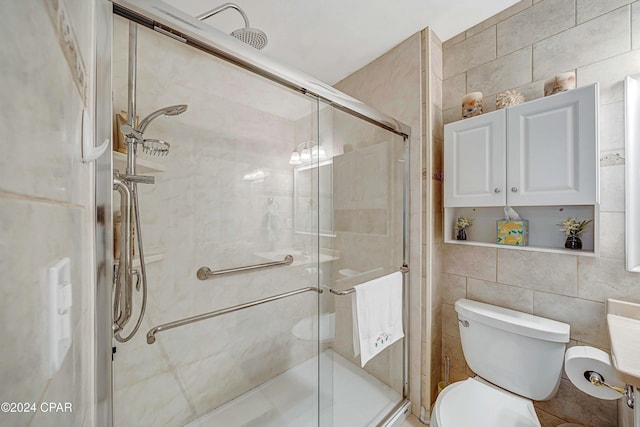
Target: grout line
x=532 y=65
x=578 y=275
x=601 y=15
x=466 y=287
x=26 y=198
x=497 y=265
x=533 y=302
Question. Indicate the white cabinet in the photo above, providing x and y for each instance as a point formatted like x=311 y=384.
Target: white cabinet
x=540 y=153
x=552 y=151
x=540 y=157
x=474 y=161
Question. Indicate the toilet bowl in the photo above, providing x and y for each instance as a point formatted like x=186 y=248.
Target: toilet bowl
x=517 y=357
x=477 y=403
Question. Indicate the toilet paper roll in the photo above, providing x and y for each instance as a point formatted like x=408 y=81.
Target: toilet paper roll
x=581 y=359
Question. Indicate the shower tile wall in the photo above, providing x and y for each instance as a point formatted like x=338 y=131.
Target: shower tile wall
x=45 y=210
x=206 y=210
x=518 y=49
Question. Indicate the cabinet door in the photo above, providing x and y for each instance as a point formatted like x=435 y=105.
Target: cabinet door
x=474 y=158
x=552 y=150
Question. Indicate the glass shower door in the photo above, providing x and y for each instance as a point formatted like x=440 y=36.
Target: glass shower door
x=255 y=173
x=360 y=196
x=223 y=198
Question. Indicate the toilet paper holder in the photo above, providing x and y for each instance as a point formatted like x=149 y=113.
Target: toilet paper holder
x=598 y=380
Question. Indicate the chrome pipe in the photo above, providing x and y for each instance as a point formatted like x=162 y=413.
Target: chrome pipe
x=122 y=299
x=118 y=337
x=141 y=179
x=151 y=335
x=205 y=273
x=222 y=7
x=131 y=116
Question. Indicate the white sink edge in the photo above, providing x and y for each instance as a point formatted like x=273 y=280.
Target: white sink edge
x=623 y=323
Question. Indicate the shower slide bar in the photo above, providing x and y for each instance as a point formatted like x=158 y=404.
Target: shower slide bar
x=403 y=269
x=205 y=273
x=151 y=335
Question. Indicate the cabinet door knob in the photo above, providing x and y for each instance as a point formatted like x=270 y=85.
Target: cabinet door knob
x=496 y=190
x=514 y=189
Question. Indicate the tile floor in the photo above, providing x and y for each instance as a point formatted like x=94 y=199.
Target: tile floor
x=412 y=421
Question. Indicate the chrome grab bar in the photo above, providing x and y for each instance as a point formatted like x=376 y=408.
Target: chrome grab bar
x=151 y=335
x=205 y=273
x=403 y=269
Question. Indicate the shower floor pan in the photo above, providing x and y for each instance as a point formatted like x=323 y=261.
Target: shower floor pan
x=290 y=399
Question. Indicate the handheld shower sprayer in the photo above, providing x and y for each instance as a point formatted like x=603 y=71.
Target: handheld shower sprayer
x=154 y=147
x=172 y=110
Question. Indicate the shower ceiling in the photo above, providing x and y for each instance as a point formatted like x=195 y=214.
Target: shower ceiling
x=330 y=39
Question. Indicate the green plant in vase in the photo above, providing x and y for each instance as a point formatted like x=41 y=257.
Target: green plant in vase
x=462 y=224
x=574 y=229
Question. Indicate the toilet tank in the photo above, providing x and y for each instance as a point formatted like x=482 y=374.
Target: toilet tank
x=519 y=352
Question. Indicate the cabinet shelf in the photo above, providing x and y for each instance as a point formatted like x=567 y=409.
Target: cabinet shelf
x=143 y=165
x=544 y=229
x=575 y=252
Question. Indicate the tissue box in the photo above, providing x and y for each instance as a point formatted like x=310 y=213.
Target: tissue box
x=512 y=232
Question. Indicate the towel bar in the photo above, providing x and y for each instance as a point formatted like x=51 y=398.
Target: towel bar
x=205 y=273
x=345 y=292
x=403 y=269
x=151 y=335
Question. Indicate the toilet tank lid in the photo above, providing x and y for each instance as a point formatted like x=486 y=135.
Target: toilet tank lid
x=513 y=321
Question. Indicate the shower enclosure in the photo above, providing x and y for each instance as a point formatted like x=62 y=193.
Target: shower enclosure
x=273 y=201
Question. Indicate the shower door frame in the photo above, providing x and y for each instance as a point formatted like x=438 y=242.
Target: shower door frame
x=218 y=44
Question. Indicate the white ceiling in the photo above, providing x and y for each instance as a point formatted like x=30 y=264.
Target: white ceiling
x=330 y=39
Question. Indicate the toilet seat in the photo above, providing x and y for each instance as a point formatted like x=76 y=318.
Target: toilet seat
x=476 y=403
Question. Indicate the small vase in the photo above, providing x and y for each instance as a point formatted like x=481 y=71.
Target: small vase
x=462 y=234
x=573 y=242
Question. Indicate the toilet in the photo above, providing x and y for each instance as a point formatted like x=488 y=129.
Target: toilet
x=517 y=358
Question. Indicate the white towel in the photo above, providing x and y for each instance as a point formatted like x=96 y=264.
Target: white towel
x=377 y=315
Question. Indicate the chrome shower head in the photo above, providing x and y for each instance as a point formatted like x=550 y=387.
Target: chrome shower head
x=175 y=110
x=251 y=36
x=172 y=110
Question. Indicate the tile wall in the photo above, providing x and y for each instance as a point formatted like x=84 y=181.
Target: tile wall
x=46 y=208
x=518 y=49
x=433 y=239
